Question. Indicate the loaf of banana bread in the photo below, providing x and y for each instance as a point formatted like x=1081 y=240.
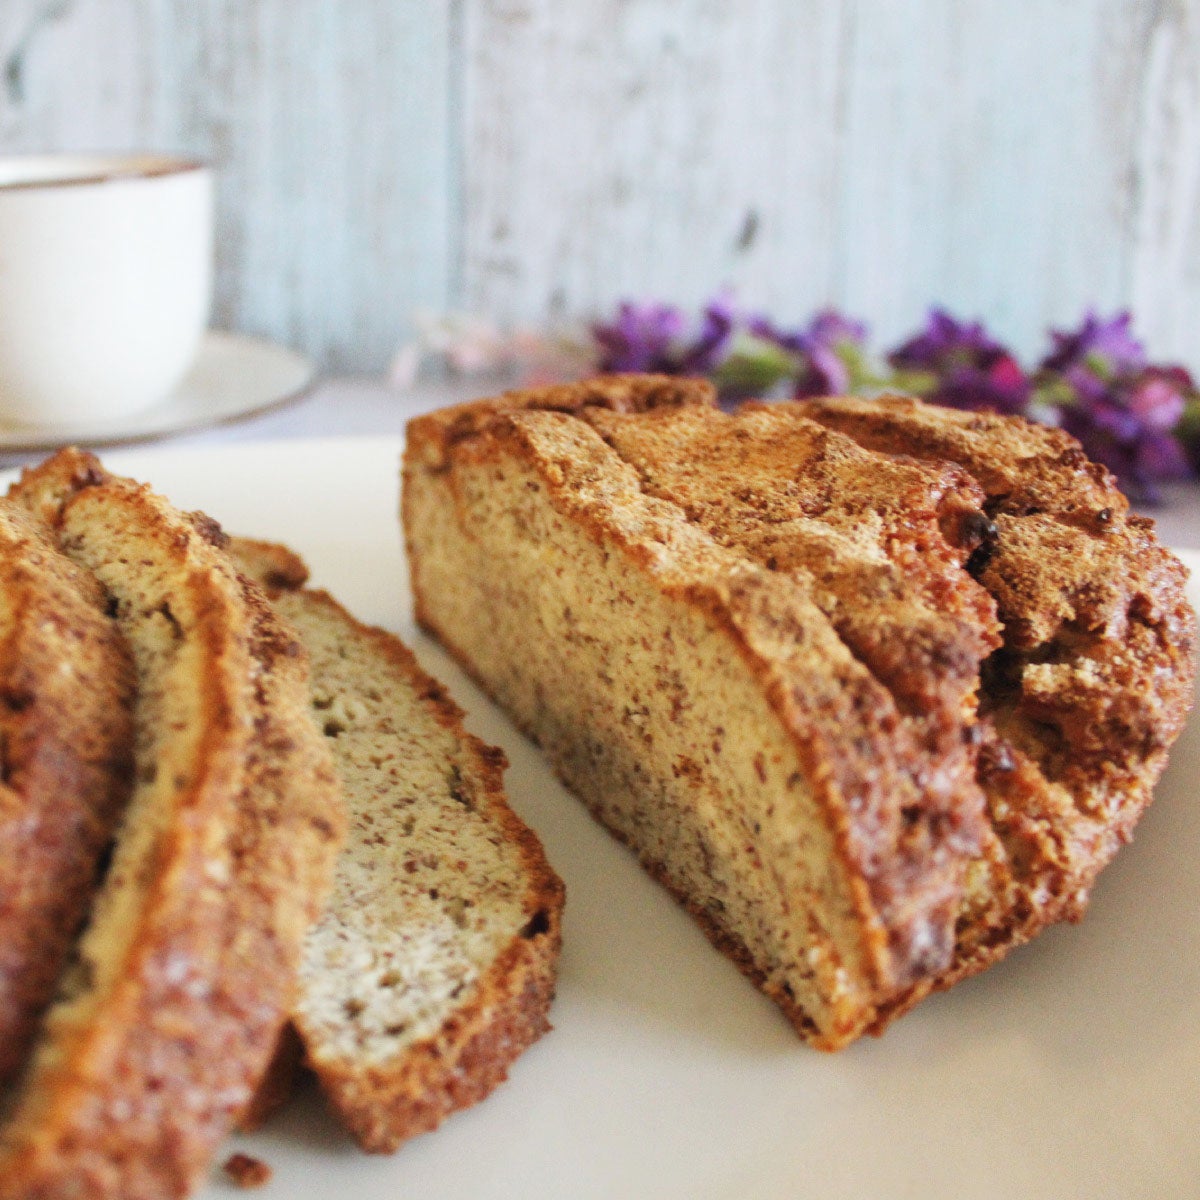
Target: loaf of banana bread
x=853 y=695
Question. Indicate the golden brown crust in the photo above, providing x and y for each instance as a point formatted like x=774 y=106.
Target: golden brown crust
x=42 y=491
x=1096 y=673
x=507 y=1009
x=144 y=1068
x=761 y=620
x=467 y=1060
x=66 y=739
x=439 y=431
x=273 y=567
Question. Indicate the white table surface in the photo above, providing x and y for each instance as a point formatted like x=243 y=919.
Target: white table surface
x=364 y=406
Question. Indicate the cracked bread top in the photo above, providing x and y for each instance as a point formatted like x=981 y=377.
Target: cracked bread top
x=1098 y=634
x=849 y=602
x=1096 y=673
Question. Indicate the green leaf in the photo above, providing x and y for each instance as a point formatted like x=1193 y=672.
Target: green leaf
x=754 y=365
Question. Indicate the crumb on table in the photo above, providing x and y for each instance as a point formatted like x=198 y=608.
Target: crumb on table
x=247 y=1172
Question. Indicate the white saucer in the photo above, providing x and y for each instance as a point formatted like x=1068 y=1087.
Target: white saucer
x=233 y=377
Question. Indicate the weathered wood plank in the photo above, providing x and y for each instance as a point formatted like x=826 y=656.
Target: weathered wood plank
x=330 y=130
x=986 y=171
x=1164 y=261
x=895 y=154
x=651 y=148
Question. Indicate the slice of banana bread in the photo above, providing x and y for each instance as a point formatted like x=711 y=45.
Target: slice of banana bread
x=434 y=965
x=755 y=647
x=66 y=742
x=183 y=977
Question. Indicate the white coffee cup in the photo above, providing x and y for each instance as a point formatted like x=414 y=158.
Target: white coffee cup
x=105 y=282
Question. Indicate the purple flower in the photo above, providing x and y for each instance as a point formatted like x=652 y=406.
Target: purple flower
x=1103 y=347
x=1159 y=396
x=766 y=330
x=828 y=352
x=946 y=344
x=644 y=337
x=958 y=364
x=822 y=374
x=1123 y=411
x=718 y=324
x=832 y=348
x=743 y=355
x=832 y=328
x=656 y=337
x=1160 y=456
x=1128 y=423
x=1139 y=457
x=1141 y=420
x=999 y=387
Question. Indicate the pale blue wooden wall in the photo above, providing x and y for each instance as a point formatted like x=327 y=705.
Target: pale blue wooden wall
x=530 y=159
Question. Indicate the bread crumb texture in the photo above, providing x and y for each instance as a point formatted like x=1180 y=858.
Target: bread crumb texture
x=247 y=1172
x=428 y=890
